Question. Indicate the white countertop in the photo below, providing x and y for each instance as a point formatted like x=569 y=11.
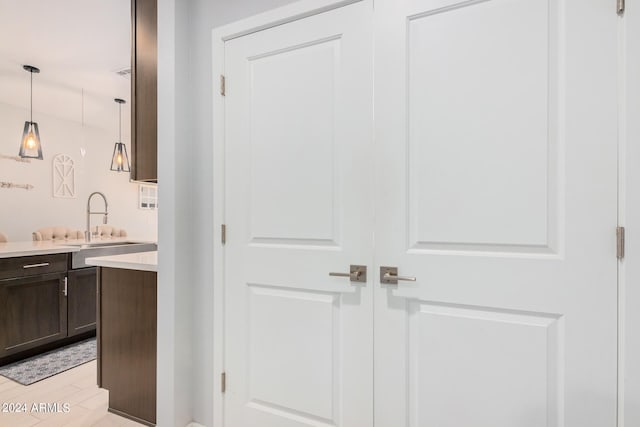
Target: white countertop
x=18 y=249
x=143 y=261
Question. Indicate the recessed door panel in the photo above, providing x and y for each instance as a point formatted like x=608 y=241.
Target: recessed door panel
x=501 y=367
x=482 y=126
x=294 y=194
x=294 y=348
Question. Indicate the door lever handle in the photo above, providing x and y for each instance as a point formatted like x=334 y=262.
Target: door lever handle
x=389 y=276
x=357 y=273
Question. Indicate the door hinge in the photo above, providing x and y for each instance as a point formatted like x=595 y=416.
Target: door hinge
x=620 y=242
x=223 y=382
x=223 y=85
x=620 y=5
x=223 y=233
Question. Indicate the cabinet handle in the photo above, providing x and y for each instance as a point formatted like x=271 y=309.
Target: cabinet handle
x=65 y=286
x=43 y=264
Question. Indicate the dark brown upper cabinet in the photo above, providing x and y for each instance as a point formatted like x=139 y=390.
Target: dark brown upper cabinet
x=144 y=91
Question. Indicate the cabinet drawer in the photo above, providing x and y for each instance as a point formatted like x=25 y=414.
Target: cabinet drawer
x=32 y=265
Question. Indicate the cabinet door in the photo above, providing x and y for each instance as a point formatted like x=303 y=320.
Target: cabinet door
x=144 y=90
x=81 y=301
x=33 y=311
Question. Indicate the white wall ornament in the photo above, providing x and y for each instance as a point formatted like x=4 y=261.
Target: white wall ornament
x=64 y=177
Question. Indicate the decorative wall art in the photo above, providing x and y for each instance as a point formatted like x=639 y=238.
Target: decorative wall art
x=64 y=177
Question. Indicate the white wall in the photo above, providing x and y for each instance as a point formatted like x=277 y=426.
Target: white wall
x=23 y=211
x=185 y=294
x=175 y=247
x=204 y=16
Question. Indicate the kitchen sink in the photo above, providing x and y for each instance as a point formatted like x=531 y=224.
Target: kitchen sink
x=95 y=249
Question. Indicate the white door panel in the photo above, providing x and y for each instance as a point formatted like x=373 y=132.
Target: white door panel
x=496 y=167
x=298 y=155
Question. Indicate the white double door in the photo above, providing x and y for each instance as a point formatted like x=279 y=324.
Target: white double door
x=487 y=171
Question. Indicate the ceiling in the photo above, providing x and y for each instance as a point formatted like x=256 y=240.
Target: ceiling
x=78 y=46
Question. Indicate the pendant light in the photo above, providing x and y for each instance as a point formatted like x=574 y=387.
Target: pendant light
x=120 y=160
x=30 y=147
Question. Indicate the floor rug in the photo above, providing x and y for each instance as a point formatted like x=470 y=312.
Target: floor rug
x=37 y=368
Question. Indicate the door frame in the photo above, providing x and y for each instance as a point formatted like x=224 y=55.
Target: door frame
x=272 y=18
x=628 y=210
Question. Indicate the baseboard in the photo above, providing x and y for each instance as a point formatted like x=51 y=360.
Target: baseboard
x=194 y=425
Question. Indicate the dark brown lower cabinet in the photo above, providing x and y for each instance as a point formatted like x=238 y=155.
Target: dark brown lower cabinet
x=33 y=312
x=127 y=341
x=44 y=306
x=81 y=301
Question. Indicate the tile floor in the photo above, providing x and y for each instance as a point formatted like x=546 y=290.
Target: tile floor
x=77 y=387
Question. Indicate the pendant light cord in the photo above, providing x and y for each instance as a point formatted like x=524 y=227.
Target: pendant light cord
x=31 y=106
x=120 y=122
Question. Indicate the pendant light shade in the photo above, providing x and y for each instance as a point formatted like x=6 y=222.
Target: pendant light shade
x=120 y=159
x=30 y=147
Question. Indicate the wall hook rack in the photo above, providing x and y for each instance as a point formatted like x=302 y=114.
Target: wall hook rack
x=16 y=158
x=10 y=185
